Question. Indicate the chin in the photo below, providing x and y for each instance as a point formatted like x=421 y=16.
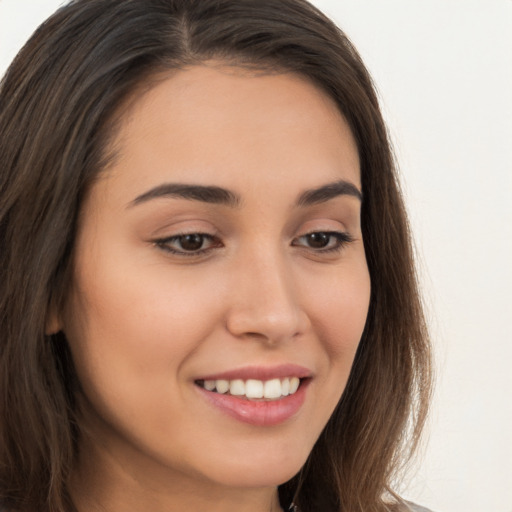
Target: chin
x=259 y=478
x=262 y=470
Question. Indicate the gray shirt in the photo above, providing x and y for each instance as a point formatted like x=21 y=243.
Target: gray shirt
x=417 y=508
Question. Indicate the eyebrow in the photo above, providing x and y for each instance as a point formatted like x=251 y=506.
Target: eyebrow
x=222 y=196
x=330 y=191
x=205 y=194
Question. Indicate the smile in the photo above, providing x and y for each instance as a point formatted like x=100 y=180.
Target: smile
x=260 y=396
x=253 y=389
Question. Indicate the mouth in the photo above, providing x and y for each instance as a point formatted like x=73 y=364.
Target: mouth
x=253 y=389
x=260 y=396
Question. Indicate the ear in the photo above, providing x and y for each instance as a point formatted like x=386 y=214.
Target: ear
x=53 y=322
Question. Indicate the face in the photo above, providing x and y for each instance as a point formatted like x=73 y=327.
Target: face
x=220 y=286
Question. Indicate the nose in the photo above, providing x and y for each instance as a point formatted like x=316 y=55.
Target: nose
x=265 y=301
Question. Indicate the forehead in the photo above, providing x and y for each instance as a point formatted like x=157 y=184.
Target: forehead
x=226 y=124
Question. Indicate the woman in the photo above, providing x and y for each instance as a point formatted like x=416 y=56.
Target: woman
x=208 y=299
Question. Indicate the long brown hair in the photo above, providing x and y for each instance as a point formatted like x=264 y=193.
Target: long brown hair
x=59 y=102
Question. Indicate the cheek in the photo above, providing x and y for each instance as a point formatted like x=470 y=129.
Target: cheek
x=338 y=305
x=130 y=336
x=128 y=320
x=340 y=311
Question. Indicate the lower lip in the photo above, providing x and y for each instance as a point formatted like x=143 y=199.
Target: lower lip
x=260 y=413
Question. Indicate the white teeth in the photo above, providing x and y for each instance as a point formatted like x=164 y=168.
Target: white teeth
x=237 y=387
x=294 y=385
x=222 y=386
x=270 y=390
x=209 y=385
x=285 y=387
x=254 y=388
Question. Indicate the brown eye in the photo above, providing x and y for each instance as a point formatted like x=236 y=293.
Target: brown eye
x=318 y=240
x=192 y=242
x=323 y=241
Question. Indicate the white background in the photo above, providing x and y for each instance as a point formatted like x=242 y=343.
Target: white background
x=444 y=72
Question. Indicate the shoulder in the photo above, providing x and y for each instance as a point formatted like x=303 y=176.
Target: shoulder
x=411 y=507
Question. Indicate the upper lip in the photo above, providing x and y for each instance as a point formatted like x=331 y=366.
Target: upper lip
x=261 y=373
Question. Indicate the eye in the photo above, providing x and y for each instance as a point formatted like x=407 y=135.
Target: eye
x=323 y=241
x=188 y=244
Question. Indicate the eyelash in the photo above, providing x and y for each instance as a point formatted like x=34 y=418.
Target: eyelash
x=342 y=239
x=165 y=244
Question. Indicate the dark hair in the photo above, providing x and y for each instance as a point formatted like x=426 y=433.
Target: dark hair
x=59 y=102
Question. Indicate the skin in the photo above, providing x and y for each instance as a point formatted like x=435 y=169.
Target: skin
x=144 y=323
